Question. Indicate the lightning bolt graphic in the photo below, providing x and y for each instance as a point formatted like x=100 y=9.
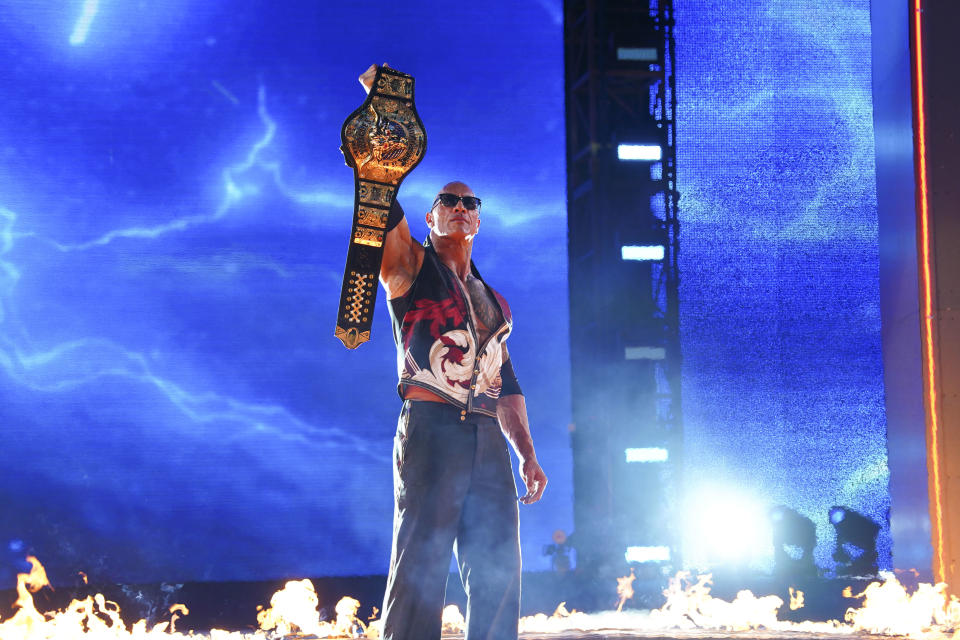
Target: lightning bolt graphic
x=9 y=274
x=234 y=189
x=74 y=363
x=809 y=222
x=82 y=26
x=91 y=359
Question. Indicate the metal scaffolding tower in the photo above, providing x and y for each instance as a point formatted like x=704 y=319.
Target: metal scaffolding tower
x=623 y=239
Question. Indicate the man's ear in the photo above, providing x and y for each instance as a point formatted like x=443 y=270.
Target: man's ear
x=429 y=218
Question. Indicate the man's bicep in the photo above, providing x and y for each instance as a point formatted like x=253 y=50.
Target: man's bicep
x=401 y=260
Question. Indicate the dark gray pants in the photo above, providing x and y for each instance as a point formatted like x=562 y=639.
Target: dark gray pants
x=453 y=489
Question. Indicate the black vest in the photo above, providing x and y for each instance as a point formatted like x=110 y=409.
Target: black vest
x=437 y=342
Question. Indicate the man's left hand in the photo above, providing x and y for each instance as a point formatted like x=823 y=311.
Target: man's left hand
x=535 y=479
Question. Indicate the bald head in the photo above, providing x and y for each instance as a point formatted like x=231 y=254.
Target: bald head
x=457 y=187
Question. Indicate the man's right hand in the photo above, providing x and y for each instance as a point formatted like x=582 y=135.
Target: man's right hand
x=366 y=78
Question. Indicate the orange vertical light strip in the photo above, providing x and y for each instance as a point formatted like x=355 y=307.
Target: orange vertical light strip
x=926 y=275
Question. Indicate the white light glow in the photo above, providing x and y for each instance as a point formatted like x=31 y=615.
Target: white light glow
x=647 y=554
x=724 y=526
x=639 y=152
x=642 y=252
x=82 y=27
x=647 y=454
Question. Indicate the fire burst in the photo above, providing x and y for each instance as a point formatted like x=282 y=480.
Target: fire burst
x=690 y=610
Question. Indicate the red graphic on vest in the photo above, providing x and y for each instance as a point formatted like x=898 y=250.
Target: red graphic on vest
x=439 y=314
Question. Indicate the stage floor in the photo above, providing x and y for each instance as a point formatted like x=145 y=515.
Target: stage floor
x=617 y=634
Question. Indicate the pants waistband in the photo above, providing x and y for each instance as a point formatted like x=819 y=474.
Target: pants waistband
x=444 y=412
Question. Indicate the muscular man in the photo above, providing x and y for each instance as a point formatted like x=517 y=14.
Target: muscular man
x=453 y=480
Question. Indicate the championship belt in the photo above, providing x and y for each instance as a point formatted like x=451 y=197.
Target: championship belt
x=383 y=141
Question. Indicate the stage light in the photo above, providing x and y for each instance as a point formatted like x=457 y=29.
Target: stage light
x=647 y=454
x=856 y=547
x=649 y=152
x=794 y=539
x=723 y=526
x=837 y=514
x=642 y=252
x=647 y=554
x=640 y=54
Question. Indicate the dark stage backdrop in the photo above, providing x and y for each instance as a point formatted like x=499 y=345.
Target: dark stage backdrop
x=780 y=316
x=173 y=223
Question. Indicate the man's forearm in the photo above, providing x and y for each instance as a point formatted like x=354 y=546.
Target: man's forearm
x=512 y=413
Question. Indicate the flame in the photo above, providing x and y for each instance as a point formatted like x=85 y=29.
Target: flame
x=887 y=609
x=293 y=610
x=796 y=599
x=690 y=605
x=176 y=609
x=561 y=620
x=36 y=579
x=452 y=619
x=27 y=617
x=625 y=589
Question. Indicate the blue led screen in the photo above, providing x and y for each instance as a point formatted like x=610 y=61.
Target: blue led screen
x=780 y=320
x=173 y=223
x=174 y=218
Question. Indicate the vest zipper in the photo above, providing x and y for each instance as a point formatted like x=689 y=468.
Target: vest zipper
x=473 y=330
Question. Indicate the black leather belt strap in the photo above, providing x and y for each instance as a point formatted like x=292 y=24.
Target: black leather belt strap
x=383 y=141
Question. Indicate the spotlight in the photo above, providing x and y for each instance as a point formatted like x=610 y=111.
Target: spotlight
x=837 y=515
x=724 y=527
x=642 y=252
x=649 y=152
x=647 y=454
x=647 y=554
x=856 y=548
x=794 y=538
